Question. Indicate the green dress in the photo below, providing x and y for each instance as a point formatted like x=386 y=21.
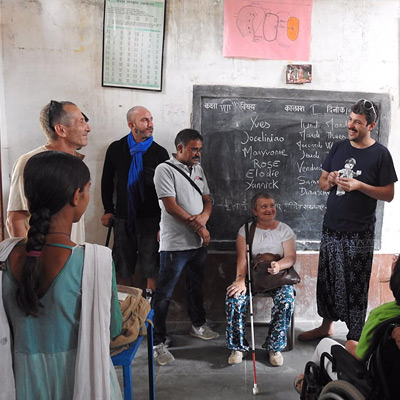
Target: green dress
x=45 y=348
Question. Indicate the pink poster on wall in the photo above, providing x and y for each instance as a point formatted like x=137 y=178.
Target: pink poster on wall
x=274 y=30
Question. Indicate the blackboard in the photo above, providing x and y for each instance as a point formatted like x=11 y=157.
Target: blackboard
x=273 y=139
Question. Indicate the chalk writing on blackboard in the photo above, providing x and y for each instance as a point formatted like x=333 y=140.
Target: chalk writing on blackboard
x=257 y=141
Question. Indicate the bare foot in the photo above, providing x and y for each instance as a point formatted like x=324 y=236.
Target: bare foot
x=314 y=334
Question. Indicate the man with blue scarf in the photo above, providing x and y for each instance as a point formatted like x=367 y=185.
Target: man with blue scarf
x=130 y=199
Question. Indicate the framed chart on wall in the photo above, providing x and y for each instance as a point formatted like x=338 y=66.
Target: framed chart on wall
x=133 y=43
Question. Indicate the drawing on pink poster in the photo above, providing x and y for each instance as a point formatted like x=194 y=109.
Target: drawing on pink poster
x=274 y=30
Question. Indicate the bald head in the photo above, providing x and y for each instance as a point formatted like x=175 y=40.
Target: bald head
x=140 y=122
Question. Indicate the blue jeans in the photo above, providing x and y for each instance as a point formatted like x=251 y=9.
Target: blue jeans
x=172 y=264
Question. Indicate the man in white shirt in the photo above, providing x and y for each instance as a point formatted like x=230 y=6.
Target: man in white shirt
x=66 y=129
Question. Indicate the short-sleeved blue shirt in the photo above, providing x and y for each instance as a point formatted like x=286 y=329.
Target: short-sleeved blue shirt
x=355 y=211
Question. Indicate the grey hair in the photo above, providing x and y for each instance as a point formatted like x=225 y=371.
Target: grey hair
x=259 y=195
x=63 y=118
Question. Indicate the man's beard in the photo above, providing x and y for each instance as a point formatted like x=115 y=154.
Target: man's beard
x=143 y=134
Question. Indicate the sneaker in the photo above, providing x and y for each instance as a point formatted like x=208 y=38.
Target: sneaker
x=149 y=295
x=203 y=332
x=275 y=358
x=162 y=355
x=236 y=357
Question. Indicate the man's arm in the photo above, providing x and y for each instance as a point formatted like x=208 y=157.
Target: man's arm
x=106 y=219
x=385 y=193
x=107 y=188
x=16 y=223
x=197 y=221
x=17 y=208
x=174 y=209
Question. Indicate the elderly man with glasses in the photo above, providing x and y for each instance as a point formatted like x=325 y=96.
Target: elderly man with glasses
x=347 y=243
x=66 y=129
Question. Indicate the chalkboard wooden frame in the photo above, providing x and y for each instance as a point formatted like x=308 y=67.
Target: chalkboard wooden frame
x=218 y=97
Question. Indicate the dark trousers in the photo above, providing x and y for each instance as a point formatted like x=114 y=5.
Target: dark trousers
x=172 y=264
x=142 y=245
x=344 y=271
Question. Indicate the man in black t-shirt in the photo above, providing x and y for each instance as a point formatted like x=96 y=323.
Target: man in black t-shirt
x=128 y=173
x=357 y=172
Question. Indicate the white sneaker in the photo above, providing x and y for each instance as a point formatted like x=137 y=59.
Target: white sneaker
x=236 y=357
x=203 y=332
x=162 y=355
x=275 y=358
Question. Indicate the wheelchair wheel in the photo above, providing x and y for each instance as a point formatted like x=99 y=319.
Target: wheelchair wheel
x=340 y=390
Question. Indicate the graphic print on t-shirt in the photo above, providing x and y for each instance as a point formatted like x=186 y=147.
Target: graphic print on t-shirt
x=347 y=172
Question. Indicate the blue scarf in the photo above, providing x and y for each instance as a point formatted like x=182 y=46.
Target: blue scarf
x=135 y=178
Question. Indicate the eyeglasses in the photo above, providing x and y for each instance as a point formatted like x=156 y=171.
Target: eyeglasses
x=368 y=105
x=55 y=110
x=195 y=150
x=84 y=116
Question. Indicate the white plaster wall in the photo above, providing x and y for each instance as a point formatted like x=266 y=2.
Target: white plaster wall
x=53 y=50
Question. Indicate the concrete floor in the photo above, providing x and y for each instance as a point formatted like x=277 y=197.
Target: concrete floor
x=200 y=370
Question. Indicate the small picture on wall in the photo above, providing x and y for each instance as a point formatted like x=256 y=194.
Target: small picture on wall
x=298 y=73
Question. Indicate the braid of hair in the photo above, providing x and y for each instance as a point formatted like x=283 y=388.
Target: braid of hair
x=28 y=291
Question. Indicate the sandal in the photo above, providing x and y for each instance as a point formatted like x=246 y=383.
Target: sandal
x=298 y=383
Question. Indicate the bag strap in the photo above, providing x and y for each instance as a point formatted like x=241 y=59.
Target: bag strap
x=187 y=177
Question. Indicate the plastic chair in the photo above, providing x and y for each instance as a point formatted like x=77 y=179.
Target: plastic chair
x=125 y=359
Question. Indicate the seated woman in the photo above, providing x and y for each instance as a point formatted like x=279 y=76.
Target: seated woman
x=60 y=298
x=271 y=236
x=360 y=350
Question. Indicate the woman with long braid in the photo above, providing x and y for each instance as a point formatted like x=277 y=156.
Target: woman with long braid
x=60 y=298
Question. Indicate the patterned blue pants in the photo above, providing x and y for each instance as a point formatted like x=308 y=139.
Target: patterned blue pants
x=281 y=314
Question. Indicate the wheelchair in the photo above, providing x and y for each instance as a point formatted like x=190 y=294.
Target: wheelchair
x=377 y=379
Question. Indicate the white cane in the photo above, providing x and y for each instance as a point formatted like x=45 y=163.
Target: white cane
x=253 y=347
